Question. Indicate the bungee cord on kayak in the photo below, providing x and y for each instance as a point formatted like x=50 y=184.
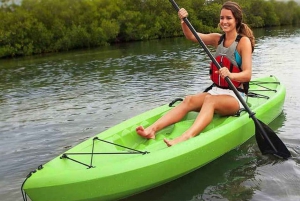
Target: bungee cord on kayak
x=66 y=156
x=131 y=151
x=260 y=84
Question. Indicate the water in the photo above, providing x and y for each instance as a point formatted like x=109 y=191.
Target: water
x=52 y=102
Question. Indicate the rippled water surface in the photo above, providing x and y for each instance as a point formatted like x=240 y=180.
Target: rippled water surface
x=50 y=103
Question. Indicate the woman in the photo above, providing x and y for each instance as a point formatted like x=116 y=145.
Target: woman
x=237 y=44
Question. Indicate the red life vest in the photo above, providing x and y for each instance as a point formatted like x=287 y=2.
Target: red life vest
x=226 y=58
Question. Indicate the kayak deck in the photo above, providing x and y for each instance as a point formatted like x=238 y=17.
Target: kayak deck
x=118 y=163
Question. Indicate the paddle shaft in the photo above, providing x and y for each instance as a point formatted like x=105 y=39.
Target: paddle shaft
x=227 y=79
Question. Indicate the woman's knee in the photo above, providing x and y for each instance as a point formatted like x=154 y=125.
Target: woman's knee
x=209 y=99
x=222 y=105
x=194 y=101
x=188 y=100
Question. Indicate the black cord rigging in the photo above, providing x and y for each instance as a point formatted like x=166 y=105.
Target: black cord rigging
x=131 y=151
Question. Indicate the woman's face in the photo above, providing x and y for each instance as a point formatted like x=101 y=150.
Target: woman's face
x=227 y=20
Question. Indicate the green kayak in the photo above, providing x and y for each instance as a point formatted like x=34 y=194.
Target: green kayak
x=118 y=163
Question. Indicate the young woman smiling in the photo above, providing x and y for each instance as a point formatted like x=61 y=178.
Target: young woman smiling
x=233 y=51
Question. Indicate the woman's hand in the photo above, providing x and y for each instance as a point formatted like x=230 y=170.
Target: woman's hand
x=182 y=13
x=224 y=72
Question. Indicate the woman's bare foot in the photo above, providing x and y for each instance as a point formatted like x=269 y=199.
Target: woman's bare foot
x=176 y=140
x=146 y=133
x=168 y=142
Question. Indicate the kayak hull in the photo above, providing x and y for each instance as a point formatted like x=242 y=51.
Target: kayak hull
x=113 y=172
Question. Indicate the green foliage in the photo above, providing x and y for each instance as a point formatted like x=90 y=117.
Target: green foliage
x=41 y=26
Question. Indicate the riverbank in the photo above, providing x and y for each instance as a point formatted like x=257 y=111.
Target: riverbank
x=38 y=27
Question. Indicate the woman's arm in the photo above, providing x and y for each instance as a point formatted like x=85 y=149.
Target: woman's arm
x=245 y=50
x=208 y=39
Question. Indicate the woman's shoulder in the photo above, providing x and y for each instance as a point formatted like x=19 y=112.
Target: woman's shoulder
x=244 y=43
x=213 y=39
x=245 y=40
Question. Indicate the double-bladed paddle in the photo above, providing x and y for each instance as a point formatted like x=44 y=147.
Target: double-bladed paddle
x=267 y=140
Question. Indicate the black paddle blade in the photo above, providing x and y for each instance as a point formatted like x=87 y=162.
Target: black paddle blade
x=265 y=146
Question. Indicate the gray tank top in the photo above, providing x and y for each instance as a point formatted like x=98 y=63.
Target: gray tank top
x=229 y=52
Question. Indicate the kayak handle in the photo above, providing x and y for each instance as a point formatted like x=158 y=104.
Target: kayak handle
x=174 y=101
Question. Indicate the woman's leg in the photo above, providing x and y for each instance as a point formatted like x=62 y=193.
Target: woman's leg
x=190 y=103
x=221 y=104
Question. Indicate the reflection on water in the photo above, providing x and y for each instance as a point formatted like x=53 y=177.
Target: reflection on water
x=52 y=102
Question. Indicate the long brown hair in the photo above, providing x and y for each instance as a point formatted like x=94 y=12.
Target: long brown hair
x=242 y=28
